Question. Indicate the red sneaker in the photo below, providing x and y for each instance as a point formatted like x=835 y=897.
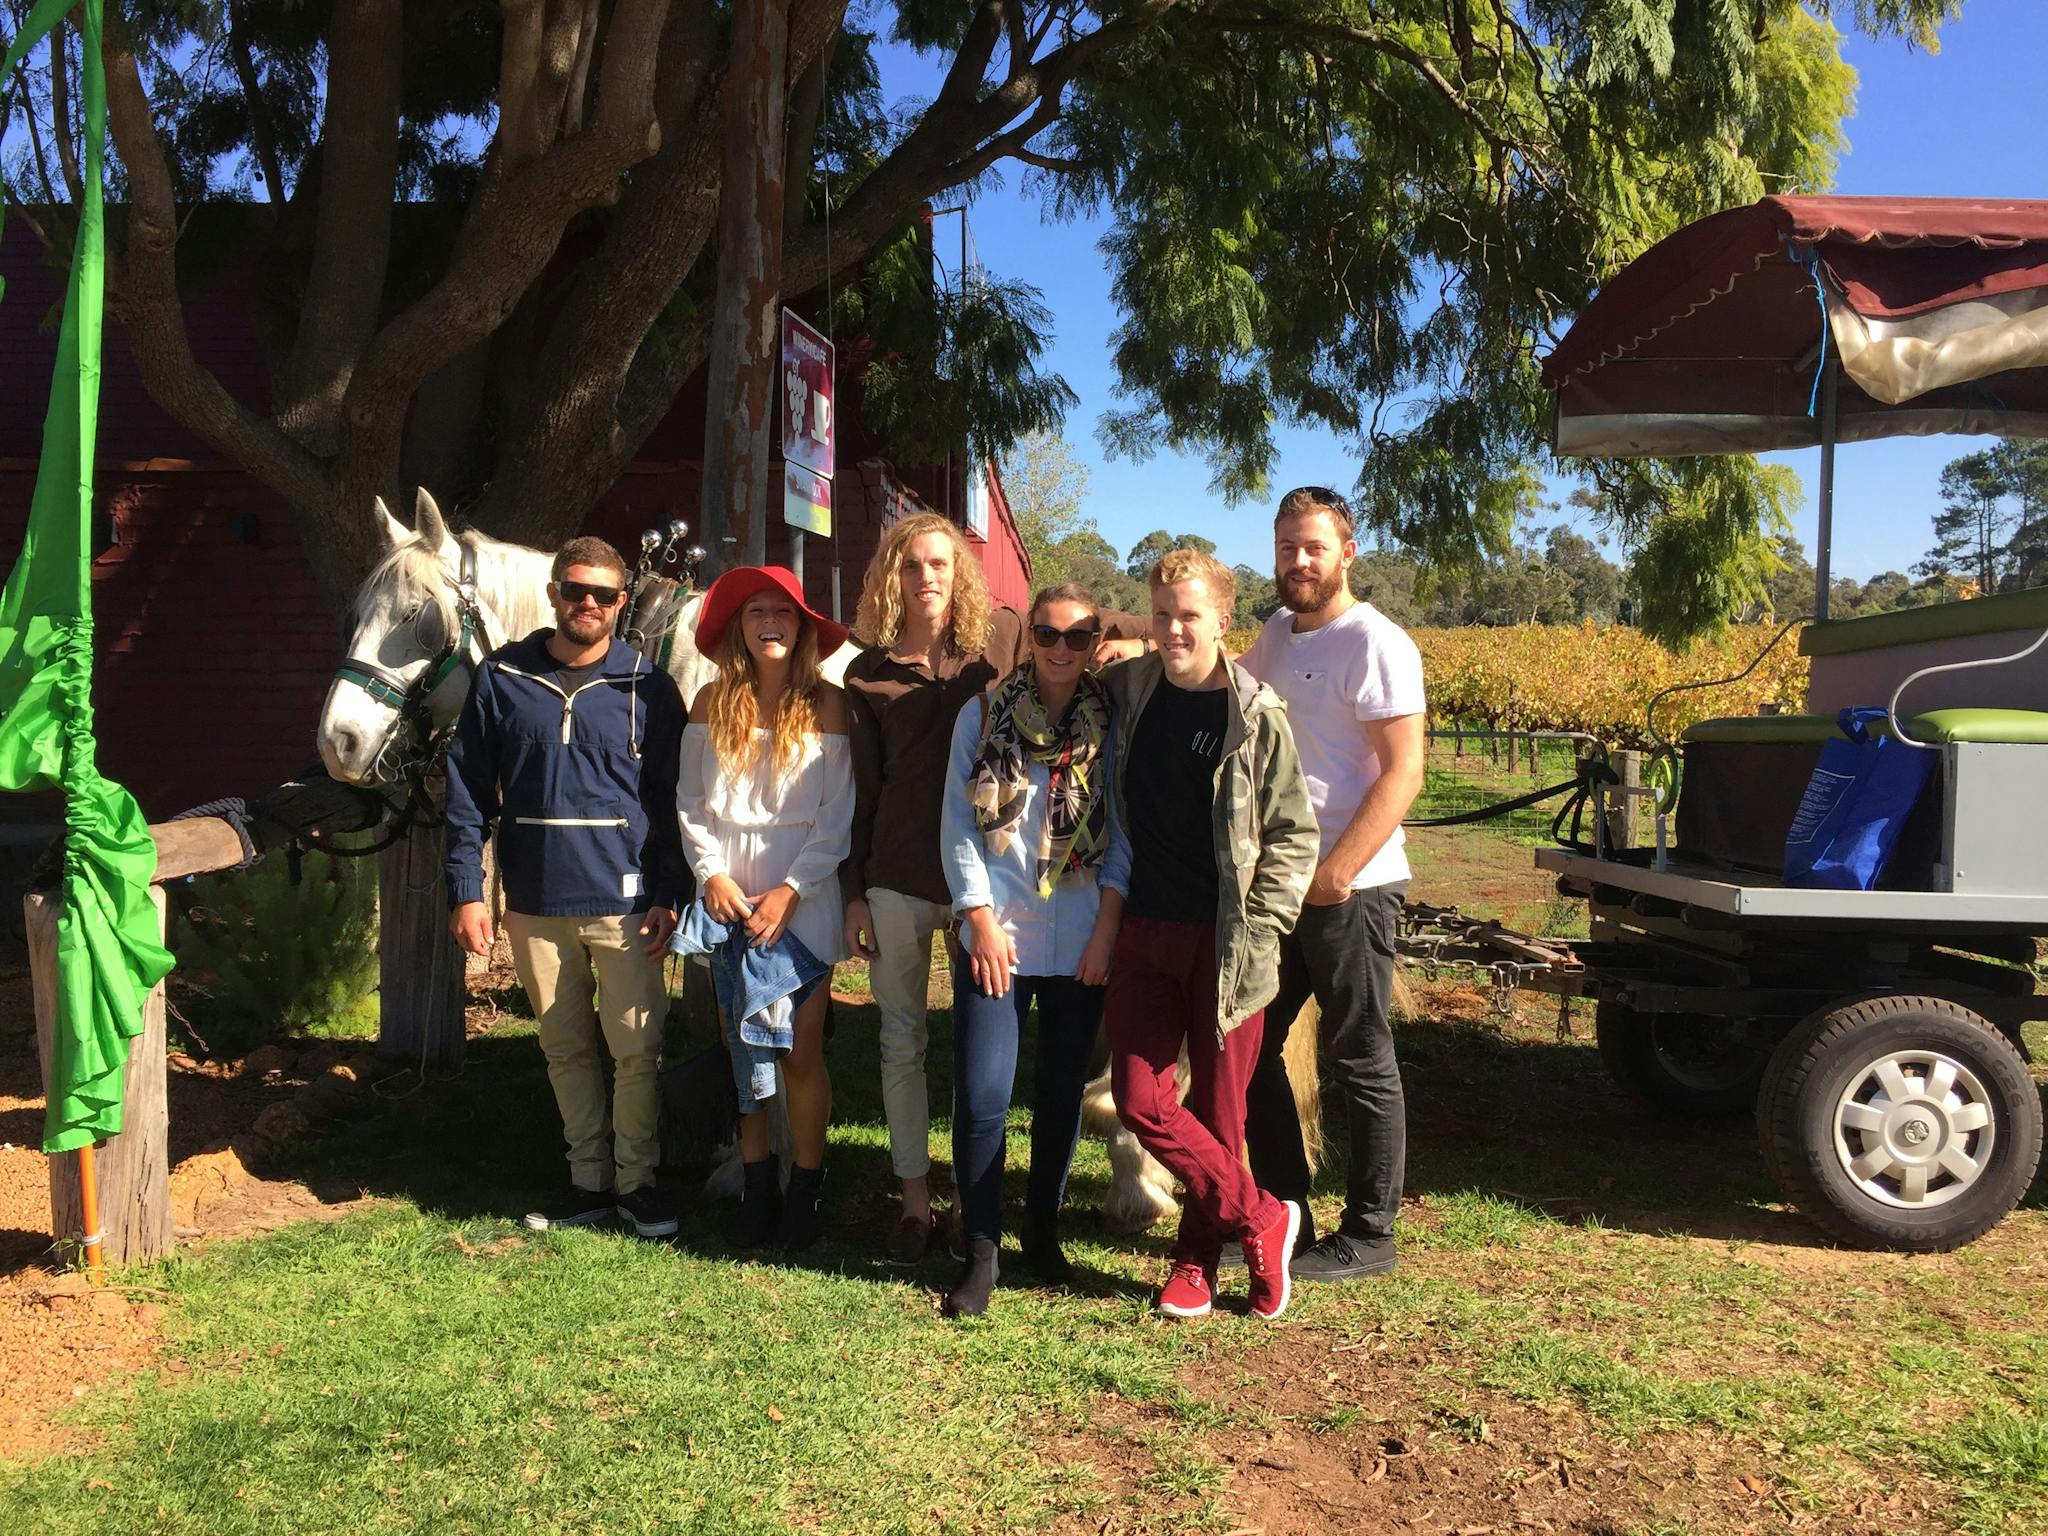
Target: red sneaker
x=1266 y=1256
x=1187 y=1292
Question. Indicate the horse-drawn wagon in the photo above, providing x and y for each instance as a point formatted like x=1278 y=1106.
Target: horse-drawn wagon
x=1877 y=1032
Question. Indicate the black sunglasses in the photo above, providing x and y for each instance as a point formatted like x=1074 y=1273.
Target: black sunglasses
x=573 y=592
x=1322 y=496
x=1046 y=637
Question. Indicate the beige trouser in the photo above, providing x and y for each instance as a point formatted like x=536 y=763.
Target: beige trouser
x=627 y=995
x=901 y=980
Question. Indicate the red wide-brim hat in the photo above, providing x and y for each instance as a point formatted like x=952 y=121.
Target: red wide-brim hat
x=729 y=594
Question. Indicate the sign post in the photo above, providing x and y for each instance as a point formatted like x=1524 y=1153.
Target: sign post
x=809 y=434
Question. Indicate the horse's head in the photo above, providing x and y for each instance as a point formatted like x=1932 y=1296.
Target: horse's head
x=409 y=659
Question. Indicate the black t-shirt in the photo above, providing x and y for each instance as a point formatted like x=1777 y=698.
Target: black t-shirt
x=569 y=679
x=1170 y=792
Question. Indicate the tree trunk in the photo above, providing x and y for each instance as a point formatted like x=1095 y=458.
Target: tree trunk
x=132 y=1169
x=420 y=970
x=745 y=324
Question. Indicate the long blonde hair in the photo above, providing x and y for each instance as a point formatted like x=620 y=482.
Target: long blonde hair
x=735 y=708
x=879 y=620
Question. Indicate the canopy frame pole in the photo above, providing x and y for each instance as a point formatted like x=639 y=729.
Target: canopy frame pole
x=1824 y=555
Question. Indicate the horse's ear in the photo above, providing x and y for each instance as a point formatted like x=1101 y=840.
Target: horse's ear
x=395 y=532
x=427 y=521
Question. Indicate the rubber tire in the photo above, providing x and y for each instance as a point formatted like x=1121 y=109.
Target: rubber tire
x=1628 y=1050
x=1814 y=1063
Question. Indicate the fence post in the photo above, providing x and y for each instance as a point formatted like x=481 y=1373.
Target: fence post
x=133 y=1168
x=1627 y=823
x=422 y=975
x=1535 y=760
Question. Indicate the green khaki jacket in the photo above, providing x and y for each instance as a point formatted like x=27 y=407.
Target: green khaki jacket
x=1265 y=833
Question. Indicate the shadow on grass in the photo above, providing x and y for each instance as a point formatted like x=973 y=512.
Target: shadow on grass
x=486 y=1143
x=1492 y=1116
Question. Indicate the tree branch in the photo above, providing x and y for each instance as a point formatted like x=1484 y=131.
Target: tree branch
x=352 y=226
x=806 y=111
x=262 y=131
x=146 y=301
x=60 y=112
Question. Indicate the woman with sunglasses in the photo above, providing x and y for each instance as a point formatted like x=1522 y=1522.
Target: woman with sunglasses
x=766 y=802
x=1038 y=868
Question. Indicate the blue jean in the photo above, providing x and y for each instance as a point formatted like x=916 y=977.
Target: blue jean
x=985 y=1035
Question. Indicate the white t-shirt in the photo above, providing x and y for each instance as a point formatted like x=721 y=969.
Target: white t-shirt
x=1360 y=666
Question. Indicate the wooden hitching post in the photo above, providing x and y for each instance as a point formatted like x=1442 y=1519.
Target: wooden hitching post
x=134 y=1167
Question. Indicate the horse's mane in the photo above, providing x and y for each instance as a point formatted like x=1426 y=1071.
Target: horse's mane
x=511 y=581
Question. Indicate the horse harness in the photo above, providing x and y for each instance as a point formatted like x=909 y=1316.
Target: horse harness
x=411 y=719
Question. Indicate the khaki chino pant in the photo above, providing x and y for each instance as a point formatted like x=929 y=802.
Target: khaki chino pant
x=583 y=974
x=900 y=978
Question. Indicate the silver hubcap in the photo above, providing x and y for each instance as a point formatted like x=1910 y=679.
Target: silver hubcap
x=1915 y=1129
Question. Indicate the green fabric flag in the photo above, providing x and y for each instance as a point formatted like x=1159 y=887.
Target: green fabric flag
x=108 y=951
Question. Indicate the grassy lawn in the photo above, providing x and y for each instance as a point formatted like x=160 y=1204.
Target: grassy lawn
x=1602 y=1322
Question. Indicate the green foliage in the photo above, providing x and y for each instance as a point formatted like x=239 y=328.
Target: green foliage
x=268 y=959
x=1992 y=528
x=1157 y=544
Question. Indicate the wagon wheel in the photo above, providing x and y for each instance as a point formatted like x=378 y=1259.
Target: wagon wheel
x=1900 y=1122
x=1661 y=774
x=1692 y=1065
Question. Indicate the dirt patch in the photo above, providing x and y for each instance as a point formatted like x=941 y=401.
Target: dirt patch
x=1356 y=1434
x=59 y=1337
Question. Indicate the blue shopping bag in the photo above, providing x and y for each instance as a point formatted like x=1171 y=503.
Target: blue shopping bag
x=1855 y=806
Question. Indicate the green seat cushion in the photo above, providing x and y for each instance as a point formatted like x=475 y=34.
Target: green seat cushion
x=2017 y=726
x=2015 y=611
x=2014 y=726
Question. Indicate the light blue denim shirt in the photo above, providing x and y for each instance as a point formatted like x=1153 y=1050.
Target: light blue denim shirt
x=1049 y=932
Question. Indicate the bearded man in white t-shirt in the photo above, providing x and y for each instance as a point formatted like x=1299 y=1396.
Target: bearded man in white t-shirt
x=1352 y=682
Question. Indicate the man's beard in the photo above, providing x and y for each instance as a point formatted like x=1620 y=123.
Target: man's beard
x=1317 y=597
x=585 y=630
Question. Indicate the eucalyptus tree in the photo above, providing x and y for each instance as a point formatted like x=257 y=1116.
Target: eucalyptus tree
x=484 y=239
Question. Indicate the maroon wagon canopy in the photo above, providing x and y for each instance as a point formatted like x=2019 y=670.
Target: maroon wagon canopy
x=1711 y=341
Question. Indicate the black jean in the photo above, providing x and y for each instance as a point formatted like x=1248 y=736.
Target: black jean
x=1343 y=956
x=985 y=1031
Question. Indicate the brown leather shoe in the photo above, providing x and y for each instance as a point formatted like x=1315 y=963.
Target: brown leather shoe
x=907 y=1244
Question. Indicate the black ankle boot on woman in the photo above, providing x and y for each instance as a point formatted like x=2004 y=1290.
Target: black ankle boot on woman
x=970 y=1297
x=802 y=1207
x=760 y=1204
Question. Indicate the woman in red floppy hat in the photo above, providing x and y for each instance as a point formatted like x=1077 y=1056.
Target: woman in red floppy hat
x=766 y=800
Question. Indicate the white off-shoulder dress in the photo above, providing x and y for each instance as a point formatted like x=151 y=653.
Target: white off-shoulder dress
x=762 y=829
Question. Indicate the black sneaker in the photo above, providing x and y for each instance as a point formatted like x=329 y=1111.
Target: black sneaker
x=572 y=1206
x=649 y=1211
x=1340 y=1257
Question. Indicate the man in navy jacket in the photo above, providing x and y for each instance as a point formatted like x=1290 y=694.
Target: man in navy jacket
x=568 y=748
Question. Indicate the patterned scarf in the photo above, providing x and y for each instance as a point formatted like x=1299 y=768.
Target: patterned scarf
x=1016 y=733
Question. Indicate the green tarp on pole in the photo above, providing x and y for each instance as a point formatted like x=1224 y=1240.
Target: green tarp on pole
x=108 y=951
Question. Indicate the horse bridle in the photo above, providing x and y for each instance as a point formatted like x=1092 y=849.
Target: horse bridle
x=411 y=717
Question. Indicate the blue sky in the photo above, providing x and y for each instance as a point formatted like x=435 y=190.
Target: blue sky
x=1964 y=122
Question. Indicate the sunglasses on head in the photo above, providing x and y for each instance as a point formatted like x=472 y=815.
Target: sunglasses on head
x=1046 y=637
x=573 y=592
x=1322 y=496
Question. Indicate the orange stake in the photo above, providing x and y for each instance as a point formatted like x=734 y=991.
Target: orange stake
x=89 y=1198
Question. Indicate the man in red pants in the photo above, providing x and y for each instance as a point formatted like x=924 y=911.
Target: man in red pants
x=1223 y=844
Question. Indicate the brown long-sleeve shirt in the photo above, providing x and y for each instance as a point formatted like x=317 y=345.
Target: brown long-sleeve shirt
x=900 y=718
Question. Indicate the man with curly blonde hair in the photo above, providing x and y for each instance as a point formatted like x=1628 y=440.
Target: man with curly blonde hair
x=933 y=639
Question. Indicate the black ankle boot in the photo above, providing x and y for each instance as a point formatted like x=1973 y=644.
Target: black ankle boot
x=1042 y=1253
x=802 y=1204
x=760 y=1204
x=969 y=1298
